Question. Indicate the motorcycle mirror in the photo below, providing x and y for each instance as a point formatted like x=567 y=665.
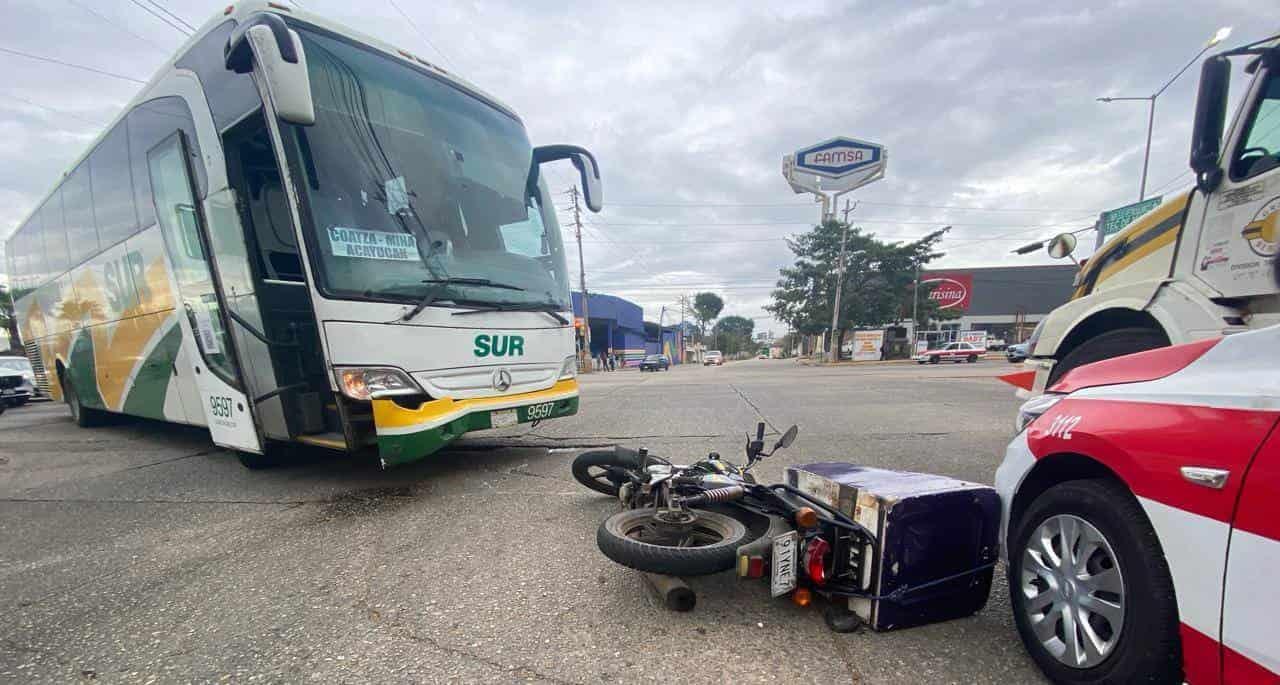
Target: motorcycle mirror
x=787 y=438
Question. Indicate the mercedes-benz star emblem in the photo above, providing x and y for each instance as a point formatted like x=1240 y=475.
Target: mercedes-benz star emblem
x=501 y=380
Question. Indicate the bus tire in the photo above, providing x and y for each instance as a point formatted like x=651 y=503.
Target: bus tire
x=1110 y=344
x=258 y=462
x=85 y=417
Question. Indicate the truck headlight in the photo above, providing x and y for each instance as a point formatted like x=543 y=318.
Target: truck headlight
x=360 y=383
x=569 y=369
x=1033 y=409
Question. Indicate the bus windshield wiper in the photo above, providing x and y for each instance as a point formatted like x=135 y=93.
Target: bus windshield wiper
x=550 y=309
x=434 y=294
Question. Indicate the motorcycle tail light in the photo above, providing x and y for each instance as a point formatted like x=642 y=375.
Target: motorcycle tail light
x=815 y=560
x=750 y=566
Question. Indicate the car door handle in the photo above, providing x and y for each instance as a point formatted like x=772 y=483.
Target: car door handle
x=1209 y=478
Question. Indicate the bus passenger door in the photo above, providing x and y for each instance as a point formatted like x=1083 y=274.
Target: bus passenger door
x=227 y=407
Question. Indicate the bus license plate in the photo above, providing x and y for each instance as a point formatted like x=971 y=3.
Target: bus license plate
x=503 y=418
x=783 y=578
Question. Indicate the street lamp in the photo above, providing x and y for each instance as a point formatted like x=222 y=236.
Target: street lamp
x=1218 y=37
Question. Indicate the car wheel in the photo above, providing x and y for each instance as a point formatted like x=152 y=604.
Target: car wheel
x=973 y=358
x=1113 y=344
x=933 y=360
x=1092 y=597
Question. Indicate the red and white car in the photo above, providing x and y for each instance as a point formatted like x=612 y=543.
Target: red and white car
x=953 y=352
x=1142 y=517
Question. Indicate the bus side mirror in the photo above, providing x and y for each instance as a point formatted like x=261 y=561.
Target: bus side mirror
x=265 y=45
x=583 y=161
x=1211 y=116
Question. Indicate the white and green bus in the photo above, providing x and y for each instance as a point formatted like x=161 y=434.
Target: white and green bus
x=297 y=234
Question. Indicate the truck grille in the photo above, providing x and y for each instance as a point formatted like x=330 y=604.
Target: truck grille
x=37 y=367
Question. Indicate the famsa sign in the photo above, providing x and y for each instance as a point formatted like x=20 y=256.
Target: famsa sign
x=839 y=157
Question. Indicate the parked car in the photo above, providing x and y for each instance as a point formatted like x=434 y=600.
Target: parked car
x=713 y=357
x=996 y=344
x=655 y=362
x=1141 y=524
x=17 y=381
x=953 y=352
x=1017 y=353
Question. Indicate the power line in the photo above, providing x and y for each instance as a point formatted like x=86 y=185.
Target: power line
x=54 y=110
x=174 y=16
x=71 y=65
x=422 y=35
x=108 y=20
x=161 y=17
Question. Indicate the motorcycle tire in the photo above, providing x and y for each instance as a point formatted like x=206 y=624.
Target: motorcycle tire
x=616 y=538
x=592 y=469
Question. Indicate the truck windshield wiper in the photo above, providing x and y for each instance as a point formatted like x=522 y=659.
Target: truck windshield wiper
x=550 y=309
x=434 y=294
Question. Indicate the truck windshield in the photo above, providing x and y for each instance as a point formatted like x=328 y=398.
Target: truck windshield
x=413 y=187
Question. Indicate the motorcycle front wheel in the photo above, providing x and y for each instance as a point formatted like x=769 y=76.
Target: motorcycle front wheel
x=692 y=543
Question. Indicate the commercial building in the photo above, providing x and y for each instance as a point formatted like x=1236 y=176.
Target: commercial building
x=618 y=327
x=1005 y=301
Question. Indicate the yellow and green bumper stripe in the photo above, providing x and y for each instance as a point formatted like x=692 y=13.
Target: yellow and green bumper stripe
x=406 y=435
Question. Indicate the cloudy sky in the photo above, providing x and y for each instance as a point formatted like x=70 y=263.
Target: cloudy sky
x=988 y=111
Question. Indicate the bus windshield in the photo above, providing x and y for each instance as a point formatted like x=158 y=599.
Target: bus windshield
x=416 y=188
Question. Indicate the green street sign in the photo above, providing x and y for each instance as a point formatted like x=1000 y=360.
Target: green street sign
x=1114 y=221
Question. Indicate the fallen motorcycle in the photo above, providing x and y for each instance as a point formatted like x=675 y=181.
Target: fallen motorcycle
x=886 y=548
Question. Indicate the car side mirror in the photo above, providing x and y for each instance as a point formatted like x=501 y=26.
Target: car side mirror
x=1210 y=119
x=583 y=161
x=263 y=44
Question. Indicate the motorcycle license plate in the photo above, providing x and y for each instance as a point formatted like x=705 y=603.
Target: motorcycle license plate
x=503 y=417
x=783 y=578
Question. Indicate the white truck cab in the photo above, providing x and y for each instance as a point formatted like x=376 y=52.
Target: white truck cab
x=1199 y=265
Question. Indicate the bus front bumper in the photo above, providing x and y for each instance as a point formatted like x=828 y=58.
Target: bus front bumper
x=406 y=435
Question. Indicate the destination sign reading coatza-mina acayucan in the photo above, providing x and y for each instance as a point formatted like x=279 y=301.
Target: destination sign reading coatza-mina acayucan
x=362 y=244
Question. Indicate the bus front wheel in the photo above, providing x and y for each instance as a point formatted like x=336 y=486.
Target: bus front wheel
x=84 y=417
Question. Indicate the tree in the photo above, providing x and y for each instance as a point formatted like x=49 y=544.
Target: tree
x=878 y=279
x=706 y=307
x=8 y=320
x=733 y=334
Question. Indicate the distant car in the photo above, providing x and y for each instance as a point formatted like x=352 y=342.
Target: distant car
x=1017 y=353
x=996 y=344
x=713 y=357
x=762 y=355
x=17 y=381
x=655 y=362
x=953 y=352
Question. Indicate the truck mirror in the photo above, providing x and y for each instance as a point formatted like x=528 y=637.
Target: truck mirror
x=1211 y=116
x=265 y=45
x=1061 y=245
x=582 y=160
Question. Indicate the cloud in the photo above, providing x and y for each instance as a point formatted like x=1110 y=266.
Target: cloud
x=691 y=106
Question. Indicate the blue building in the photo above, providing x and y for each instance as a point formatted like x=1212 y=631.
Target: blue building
x=617 y=326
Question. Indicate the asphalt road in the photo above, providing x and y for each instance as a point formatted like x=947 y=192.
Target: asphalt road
x=140 y=552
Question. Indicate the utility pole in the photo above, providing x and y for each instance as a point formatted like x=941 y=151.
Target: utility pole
x=915 y=321
x=834 y=353
x=582 y=277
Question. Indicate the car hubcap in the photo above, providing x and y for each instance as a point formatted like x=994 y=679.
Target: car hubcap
x=1073 y=591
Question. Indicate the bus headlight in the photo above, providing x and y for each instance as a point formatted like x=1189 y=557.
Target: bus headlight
x=368 y=383
x=569 y=369
x=1033 y=409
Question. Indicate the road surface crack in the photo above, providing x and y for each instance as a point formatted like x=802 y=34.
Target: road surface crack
x=753 y=406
